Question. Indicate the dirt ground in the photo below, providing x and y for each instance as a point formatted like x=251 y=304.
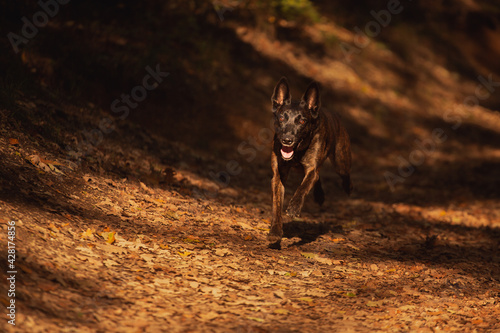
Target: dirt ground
x=134 y=231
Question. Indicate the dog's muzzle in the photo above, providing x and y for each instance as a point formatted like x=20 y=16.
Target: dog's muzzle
x=287 y=152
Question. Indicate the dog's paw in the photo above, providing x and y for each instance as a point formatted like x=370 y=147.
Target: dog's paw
x=275 y=234
x=293 y=210
x=274 y=237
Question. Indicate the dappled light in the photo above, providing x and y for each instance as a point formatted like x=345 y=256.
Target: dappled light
x=135 y=166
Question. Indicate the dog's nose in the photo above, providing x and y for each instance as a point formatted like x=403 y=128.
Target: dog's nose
x=287 y=142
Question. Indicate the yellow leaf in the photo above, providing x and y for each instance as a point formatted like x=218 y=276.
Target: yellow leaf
x=306 y=299
x=111 y=238
x=192 y=239
x=309 y=255
x=184 y=254
x=281 y=311
x=442 y=213
x=88 y=234
x=260 y=320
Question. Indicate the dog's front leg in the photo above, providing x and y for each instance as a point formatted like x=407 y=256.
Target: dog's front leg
x=295 y=205
x=280 y=174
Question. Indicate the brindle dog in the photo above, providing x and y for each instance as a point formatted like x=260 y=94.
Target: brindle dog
x=304 y=137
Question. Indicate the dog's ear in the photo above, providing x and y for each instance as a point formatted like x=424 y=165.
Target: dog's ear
x=281 y=94
x=311 y=100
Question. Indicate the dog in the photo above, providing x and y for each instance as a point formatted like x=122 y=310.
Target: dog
x=304 y=137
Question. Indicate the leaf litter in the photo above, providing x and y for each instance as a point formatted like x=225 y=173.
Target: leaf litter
x=125 y=243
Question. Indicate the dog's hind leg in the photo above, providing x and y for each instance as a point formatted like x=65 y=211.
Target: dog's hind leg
x=342 y=168
x=341 y=160
x=346 y=183
x=319 y=194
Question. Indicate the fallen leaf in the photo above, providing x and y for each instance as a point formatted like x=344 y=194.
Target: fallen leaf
x=281 y=311
x=209 y=315
x=434 y=313
x=326 y=261
x=88 y=234
x=260 y=320
x=192 y=239
x=184 y=254
x=49 y=162
x=353 y=247
x=317 y=273
x=13 y=141
x=305 y=273
x=374 y=303
x=108 y=263
x=279 y=294
x=111 y=238
x=222 y=252
x=309 y=255
x=172 y=215
x=306 y=299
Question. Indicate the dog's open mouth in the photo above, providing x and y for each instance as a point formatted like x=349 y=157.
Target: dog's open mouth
x=286 y=152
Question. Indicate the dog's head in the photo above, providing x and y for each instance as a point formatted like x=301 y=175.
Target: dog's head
x=294 y=121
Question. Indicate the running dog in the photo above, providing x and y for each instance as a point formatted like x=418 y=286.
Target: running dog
x=304 y=137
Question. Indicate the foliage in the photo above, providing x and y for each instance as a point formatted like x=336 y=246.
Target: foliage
x=296 y=10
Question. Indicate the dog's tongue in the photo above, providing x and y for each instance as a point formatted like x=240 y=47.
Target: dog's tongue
x=286 y=152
